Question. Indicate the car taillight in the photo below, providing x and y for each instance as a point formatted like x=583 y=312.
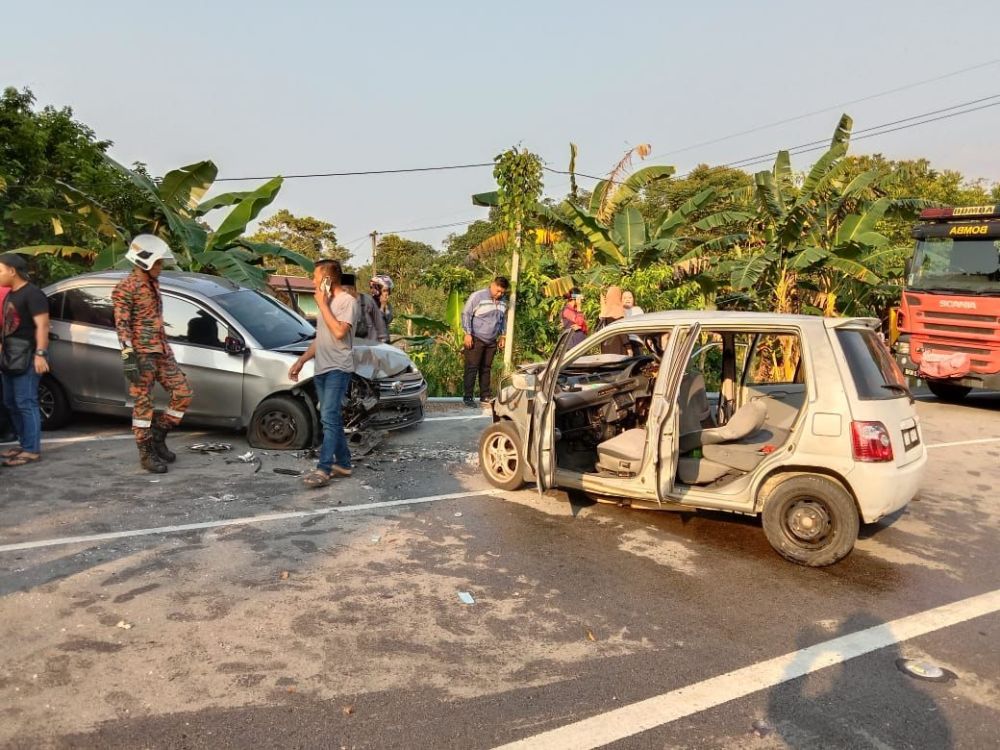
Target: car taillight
x=871 y=442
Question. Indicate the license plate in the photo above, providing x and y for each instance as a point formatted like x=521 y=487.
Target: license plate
x=911 y=438
x=910 y=371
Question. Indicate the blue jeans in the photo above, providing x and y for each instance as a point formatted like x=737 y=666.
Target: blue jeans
x=20 y=396
x=331 y=387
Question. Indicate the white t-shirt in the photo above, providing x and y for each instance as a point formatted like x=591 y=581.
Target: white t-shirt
x=634 y=310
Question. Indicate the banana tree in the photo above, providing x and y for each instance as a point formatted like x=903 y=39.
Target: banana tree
x=815 y=246
x=177 y=211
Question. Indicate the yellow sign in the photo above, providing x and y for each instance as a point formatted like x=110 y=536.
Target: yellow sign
x=964 y=230
x=973 y=210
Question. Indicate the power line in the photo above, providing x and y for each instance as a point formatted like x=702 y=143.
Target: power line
x=408 y=170
x=436 y=226
x=796 y=118
x=820 y=145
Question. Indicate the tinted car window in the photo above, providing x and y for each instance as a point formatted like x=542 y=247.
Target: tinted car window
x=267 y=320
x=56 y=305
x=187 y=323
x=875 y=372
x=90 y=305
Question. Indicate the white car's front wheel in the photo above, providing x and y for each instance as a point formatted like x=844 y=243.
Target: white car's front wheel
x=501 y=457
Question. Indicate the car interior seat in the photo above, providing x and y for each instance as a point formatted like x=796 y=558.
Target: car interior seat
x=623 y=453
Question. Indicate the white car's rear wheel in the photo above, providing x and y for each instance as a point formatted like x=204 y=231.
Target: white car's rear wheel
x=811 y=520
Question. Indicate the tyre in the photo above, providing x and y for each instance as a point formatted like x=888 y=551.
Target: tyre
x=950 y=392
x=811 y=520
x=280 y=423
x=501 y=456
x=53 y=404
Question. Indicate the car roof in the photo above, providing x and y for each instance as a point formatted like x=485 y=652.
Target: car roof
x=728 y=317
x=178 y=281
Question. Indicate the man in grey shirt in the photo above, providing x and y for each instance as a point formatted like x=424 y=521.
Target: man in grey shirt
x=333 y=350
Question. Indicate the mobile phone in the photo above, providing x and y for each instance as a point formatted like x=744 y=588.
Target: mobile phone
x=326 y=285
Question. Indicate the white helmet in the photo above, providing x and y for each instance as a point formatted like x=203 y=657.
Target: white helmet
x=146 y=249
x=384 y=281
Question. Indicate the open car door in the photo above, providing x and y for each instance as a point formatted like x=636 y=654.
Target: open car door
x=664 y=417
x=541 y=449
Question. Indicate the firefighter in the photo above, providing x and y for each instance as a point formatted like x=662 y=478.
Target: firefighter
x=146 y=355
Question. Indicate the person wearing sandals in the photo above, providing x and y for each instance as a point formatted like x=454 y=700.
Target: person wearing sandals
x=23 y=357
x=333 y=351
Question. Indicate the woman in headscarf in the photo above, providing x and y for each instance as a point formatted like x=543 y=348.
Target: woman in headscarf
x=572 y=317
x=612 y=310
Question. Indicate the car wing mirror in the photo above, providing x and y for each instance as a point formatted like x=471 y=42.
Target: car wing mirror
x=235 y=345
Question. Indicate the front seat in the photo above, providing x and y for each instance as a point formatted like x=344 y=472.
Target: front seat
x=623 y=453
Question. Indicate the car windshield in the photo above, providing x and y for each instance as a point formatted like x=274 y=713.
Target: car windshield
x=944 y=264
x=268 y=321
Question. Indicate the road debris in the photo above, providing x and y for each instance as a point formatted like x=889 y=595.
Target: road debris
x=287 y=472
x=458 y=515
x=465 y=597
x=124 y=625
x=376 y=539
x=761 y=728
x=247 y=458
x=227 y=498
x=284 y=575
x=590 y=635
x=364 y=442
x=348 y=710
x=210 y=447
x=924 y=670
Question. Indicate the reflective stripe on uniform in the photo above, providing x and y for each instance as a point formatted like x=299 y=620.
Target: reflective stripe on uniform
x=174 y=413
x=142 y=423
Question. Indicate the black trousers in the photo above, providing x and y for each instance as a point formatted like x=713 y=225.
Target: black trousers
x=479 y=361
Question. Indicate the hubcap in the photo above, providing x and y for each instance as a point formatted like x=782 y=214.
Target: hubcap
x=808 y=521
x=500 y=458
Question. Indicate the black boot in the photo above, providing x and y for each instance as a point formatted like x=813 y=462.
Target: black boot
x=149 y=460
x=160 y=446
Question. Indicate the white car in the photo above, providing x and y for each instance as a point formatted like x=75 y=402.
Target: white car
x=810 y=425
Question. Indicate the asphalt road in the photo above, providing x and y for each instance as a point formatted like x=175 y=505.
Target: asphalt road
x=250 y=612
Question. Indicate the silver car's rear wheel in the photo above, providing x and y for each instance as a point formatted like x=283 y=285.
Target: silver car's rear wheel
x=501 y=456
x=811 y=520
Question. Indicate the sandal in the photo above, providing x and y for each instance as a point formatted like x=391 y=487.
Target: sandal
x=316 y=478
x=22 y=459
x=11 y=452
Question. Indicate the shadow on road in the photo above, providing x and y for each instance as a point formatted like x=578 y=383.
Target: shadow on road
x=866 y=702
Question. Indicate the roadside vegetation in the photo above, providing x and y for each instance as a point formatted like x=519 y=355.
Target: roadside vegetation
x=829 y=240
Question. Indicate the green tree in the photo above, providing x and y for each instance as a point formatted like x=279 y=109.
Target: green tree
x=56 y=188
x=310 y=237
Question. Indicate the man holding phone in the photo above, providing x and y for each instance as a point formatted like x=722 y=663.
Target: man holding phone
x=333 y=350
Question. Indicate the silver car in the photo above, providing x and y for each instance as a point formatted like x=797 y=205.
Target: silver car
x=235 y=345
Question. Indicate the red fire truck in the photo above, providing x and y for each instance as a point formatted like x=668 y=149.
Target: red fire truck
x=949 y=314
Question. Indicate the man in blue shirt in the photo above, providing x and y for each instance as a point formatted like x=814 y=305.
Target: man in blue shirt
x=483 y=321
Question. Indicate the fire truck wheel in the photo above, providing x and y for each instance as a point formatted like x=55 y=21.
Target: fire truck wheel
x=948 y=391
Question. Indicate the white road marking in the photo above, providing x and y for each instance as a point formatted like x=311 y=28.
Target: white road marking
x=245 y=520
x=453 y=419
x=964 y=442
x=641 y=716
x=80 y=439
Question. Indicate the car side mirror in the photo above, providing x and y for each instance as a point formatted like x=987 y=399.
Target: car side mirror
x=524 y=381
x=235 y=345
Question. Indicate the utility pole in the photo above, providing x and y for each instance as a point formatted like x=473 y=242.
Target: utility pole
x=515 y=267
x=374 y=236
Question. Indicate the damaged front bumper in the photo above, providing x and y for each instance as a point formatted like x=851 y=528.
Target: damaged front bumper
x=401 y=401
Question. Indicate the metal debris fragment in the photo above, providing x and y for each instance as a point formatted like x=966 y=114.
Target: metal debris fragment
x=287 y=472
x=465 y=597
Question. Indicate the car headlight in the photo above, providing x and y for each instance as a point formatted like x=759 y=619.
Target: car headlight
x=903 y=347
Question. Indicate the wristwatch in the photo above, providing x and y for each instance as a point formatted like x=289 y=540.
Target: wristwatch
x=42 y=353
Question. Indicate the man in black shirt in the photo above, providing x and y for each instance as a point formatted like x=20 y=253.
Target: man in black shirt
x=23 y=357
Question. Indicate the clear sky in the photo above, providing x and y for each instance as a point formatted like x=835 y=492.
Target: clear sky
x=268 y=88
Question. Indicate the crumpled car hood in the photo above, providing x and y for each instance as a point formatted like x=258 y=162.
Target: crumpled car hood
x=371 y=360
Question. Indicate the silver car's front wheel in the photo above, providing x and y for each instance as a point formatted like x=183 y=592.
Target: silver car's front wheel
x=501 y=456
